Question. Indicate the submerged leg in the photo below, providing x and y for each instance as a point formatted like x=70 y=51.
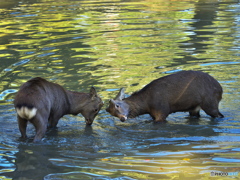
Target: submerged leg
x=22 y=124
x=212 y=109
x=195 y=112
x=40 y=124
x=53 y=121
x=158 y=115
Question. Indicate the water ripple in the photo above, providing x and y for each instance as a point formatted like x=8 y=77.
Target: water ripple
x=109 y=45
x=5 y=93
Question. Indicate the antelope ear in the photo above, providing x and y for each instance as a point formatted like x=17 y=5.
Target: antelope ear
x=93 y=92
x=111 y=101
x=120 y=95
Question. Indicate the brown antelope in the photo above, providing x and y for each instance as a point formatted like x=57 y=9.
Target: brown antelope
x=43 y=103
x=183 y=91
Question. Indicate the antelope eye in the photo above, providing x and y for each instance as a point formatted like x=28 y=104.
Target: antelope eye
x=96 y=110
x=117 y=106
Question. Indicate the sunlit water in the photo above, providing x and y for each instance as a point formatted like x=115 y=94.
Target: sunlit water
x=114 y=44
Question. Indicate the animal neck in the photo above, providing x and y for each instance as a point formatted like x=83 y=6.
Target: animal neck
x=77 y=101
x=137 y=105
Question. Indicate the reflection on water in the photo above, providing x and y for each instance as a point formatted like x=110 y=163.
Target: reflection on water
x=114 y=44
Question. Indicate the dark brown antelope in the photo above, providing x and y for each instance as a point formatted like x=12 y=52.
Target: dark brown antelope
x=43 y=103
x=183 y=91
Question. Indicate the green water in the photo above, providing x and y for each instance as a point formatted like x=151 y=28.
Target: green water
x=114 y=44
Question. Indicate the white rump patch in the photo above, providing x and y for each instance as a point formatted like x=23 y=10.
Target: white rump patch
x=26 y=113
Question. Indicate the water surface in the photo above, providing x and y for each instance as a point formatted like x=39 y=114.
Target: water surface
x=114 y=44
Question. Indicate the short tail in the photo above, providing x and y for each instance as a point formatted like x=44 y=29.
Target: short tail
x=26 y=113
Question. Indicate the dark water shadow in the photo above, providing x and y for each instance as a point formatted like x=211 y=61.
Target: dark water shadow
x=36 y=160
x=205 y=15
